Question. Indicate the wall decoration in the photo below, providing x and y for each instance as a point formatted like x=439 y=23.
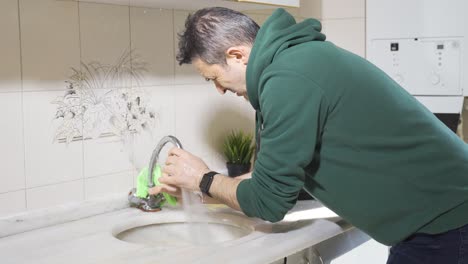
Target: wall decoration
x=104 y=100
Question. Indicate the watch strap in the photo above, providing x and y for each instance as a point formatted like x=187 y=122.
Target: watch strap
x=206 y=181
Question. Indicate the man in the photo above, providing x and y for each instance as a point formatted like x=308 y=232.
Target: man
x=334 y=124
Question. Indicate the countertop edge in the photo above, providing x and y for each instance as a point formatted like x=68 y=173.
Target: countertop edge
x=40 y=218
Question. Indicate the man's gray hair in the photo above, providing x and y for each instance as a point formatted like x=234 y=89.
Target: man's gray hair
x=209 y=32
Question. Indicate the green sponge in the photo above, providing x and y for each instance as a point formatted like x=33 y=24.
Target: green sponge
x=142 y=185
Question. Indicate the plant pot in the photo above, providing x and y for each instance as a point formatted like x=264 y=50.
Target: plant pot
x=237 y=169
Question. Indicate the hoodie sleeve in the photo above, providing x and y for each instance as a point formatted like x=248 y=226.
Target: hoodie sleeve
x=293 y=110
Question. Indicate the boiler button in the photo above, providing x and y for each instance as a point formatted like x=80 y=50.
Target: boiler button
x=398 y=78
x=435 y=79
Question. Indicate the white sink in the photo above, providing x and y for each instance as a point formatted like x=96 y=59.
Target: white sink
x=182 y=234
x=132 y=236
x=176 y=229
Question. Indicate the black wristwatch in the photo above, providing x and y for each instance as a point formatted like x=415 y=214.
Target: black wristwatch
x=206 y=181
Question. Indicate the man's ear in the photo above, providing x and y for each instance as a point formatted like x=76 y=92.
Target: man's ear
x=240 y=53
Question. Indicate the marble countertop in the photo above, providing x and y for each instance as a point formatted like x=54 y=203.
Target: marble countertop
x=89 y=236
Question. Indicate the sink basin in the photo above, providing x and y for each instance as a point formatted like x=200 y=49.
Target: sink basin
x=169 y=229
x=175 y=228
x=182 y=234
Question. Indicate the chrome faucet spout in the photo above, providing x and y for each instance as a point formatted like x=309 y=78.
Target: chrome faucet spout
x=155 y=156
x=152 y=203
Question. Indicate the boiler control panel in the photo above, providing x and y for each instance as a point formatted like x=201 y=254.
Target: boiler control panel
x=423 y=66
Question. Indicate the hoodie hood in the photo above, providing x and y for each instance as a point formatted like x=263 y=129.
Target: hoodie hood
x=279 y=32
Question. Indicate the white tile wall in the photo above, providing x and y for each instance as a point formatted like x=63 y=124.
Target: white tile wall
x=105 y=36
x=101 y=186
x=49 y=43
x=311 y=8
x=152 y=37
x=10 y=69
x=53 y=195
x=12 y=202
x=162 y=101
x=185 y=74
x=346 y=33
x=47 y=162
x=104 y=155
x=343 y=22
x=267 y=11
x=258 y=18
x=115 y=154
x=203 y=117
x=12 y=151
x=56 y=35
x=194 y=108
x=343 y=9
x=295 y=11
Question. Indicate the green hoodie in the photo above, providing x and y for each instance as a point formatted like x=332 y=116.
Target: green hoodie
x=333 y=123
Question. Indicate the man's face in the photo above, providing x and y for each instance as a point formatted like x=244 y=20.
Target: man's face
x=230 y=77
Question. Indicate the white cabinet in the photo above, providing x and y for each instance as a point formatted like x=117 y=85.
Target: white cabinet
x=350 y=247
x=291 y=3
x=193 y=5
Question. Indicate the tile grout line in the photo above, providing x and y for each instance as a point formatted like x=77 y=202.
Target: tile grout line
x=131 y=61
x=48 y=185
x=343 y=19
x=123 y=87
x=22 y=104
x=82 y=122
x=174 y=73
x=173 y=46
x=73 y=180
x=365 y=29
x=130 y=44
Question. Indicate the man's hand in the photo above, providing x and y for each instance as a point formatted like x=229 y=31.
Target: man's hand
x=164 y=188
x=183 y=170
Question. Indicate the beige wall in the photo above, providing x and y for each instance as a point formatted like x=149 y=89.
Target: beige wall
x=41 y=41
x=45 y=39
x=343 y=22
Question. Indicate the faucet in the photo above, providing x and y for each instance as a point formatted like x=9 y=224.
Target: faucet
x=152 y=203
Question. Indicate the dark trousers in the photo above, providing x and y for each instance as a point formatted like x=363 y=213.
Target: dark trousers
x=446 y=248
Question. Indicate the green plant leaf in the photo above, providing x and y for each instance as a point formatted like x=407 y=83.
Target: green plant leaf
x=238 y=147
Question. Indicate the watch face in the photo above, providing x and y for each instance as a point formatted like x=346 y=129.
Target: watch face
x=206 y=181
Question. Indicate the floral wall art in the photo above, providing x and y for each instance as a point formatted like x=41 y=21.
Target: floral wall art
x=83 y=114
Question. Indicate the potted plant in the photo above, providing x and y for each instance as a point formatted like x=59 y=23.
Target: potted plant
x=238 y=150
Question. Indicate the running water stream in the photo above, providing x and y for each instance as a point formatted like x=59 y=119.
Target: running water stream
x=198 y=218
